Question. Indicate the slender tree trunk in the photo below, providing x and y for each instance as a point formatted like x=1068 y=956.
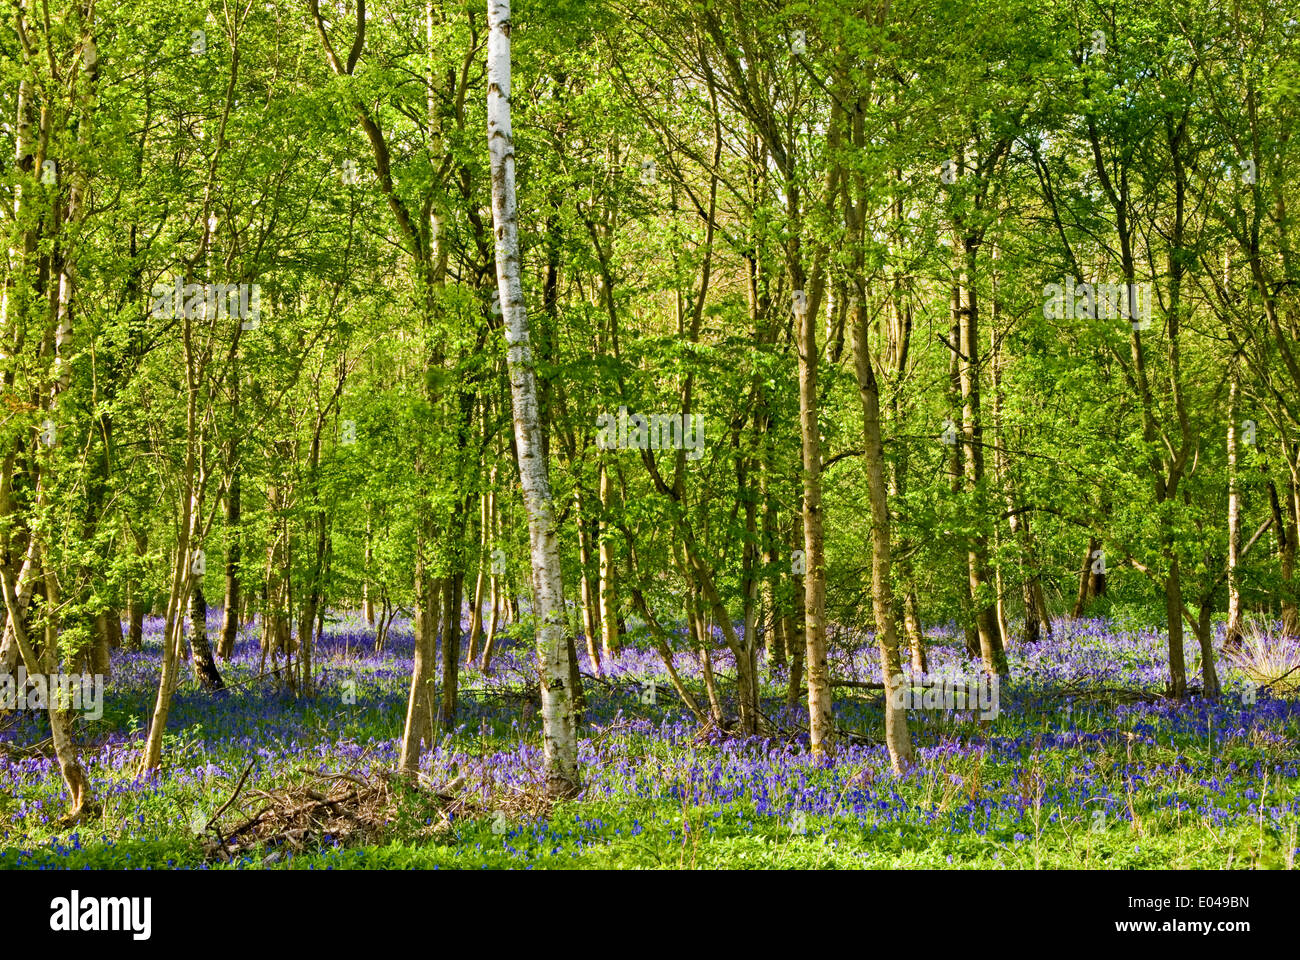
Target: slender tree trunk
x=494 y=615
x=608 y=583
x=981 y=578
x=1174 y=613
x=452 y=589
x=480 y=582
x=234 y=531
x=558 y=721
x=65 y=751
x=898 y=738
x=747 y=673
x=182 y=565
x=773 y=621
x=1284 y=526
x=794 y=633
x=1085 y=580
x=205 y=668
x=702 y=642
x=1290 y=608
x=1232 y=636
x=230 y=615
x=367 y=602
x=956 y=457
x=589 y=582
x=1205 y=638
x=906 y=575
x=419 y=727
x=152 y=753
x=821 y=723
x=27 y=576
x=135 y=631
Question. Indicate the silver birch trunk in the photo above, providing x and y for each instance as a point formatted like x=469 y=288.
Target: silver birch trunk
x=558 y=733
x=1233 y=637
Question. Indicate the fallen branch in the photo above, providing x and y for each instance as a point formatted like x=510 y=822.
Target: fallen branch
x=239 y=786
x=858 y=684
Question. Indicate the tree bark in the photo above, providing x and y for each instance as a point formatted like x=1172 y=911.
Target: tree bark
x=589 y=581
x=419 y=727
x=821 y=723
x=981 y=579
x=230 y=615
x=558 y=721
x=1232 y=637
x=898 y=738
x=608 y=573
x=205 y=668
x=1284 y=525
x=452 y=592
x=1085 y=580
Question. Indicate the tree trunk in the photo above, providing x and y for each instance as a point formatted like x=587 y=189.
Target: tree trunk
x=1232 y=637
x=494 y=616
x=480 y=579
x=452 y=593
x=898 y=738
x=182 y=565
x=956 y=456
x=1085 y=580
x=772 y=619
x=1174 y=613
x=821 y=723
x=749 y=577
x=419 y=727
x=1290 y=608
x=558 y=722
x=1284 y=525
x=135 y=632
x=205 y=668
x=230 y=615
x=702 y=642
x=65 y=751
x=794 y=633
x=1205 y=637
x=981 y=578
x=367 y=602
x=589 y=582
x=608 y=583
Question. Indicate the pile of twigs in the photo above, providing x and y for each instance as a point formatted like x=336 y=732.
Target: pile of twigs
x=340 y=809
x=327 y=808
x=1109 y=694
x=337 y=807
x=42 y=750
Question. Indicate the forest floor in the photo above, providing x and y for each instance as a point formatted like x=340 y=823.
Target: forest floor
x=1085 y=765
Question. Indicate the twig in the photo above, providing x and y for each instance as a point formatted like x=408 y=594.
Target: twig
x=285 y=666
x=239 y=786
x=858 y=684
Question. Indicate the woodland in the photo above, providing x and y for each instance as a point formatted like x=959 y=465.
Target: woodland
x=649 y=434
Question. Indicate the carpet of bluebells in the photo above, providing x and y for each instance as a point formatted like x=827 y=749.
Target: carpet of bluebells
x=1077 y=769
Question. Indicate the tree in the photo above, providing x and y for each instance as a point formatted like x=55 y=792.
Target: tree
x=558 y=721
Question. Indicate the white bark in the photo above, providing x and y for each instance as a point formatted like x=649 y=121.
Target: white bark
x=558 y=733
x=1233 y=634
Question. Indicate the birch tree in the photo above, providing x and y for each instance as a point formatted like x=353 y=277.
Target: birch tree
x=558 y=733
